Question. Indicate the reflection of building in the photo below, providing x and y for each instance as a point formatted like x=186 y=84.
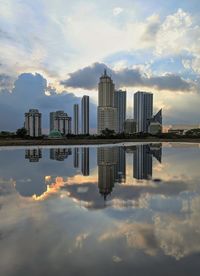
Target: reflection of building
x=76 y=157
x=130 y=126
x=60 y=120
x=33 y=155
x=106 y=111
x=85 y=161
x=120 y=104
x=120 y=175
x=142 y=161
x=59 y=154
x=85 y=114
x=106 y=160
x=33 y=123
x=76 y=119
x=143 y=110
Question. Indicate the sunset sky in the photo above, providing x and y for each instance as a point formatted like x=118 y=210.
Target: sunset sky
x=53 y=52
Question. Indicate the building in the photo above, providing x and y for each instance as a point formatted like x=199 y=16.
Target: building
x=155 y=123
x=76 y=119
x=106 y=110
x=85 y=111
x=181 y=129
x=85 y=161
x=60 y=121
x=33 y=155
x=33 y=123
x=120 y=175
x=120 y=104
x=143 y=110
x=130 y=126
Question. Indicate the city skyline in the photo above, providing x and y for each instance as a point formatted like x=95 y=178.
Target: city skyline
x=148 y=49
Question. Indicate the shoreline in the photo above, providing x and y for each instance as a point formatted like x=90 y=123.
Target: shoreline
x=62 y=142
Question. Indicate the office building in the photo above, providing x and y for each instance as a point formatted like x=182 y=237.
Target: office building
x=85 y=161
x=155 y=123
x=60 y=121
x=76 y=119
x=106 y=110
x=143 y=110
x=85 y=115
x=120 y=104
x=33 y=123
x=129 y=126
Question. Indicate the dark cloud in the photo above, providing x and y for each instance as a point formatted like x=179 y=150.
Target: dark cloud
x=29 y=92
x=88 y=78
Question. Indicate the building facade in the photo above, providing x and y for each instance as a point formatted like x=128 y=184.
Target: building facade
x=33 y=123
x=76 y=119
x=130 y=126
x=60 y=121
x=85 y=111
x=120 y=104
x=106 y=111
x=143 y=110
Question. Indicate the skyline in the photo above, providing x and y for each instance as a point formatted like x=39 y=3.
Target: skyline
x=152 y=48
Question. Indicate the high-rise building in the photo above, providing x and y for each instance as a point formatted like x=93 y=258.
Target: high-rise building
x=106 y=111
x=85 y=114
x=143 y=110
x=120 y=104
x=76 y=119
x=120 y=175
x=33 y=123
x=130 y=126
x=85 y=161
x=60 y=121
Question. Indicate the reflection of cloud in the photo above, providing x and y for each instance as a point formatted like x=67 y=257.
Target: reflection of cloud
x=80 y=239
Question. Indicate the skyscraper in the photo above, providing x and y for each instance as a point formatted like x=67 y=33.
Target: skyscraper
x=106 y=111
x=143 y=110
x=120 y=104
x=60 y=120
x=76 y=157
x=76 y=119
x=85 y=114
x=33 y=123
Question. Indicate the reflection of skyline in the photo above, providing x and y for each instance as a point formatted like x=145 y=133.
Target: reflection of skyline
x=76 y=157
x=33 y=155
x=85 y=161
x=106 y=161
x=60 y=154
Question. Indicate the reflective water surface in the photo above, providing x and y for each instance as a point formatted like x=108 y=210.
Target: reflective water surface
x=113 y=210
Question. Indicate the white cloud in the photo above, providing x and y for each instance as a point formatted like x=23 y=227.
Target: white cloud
x=117 y=11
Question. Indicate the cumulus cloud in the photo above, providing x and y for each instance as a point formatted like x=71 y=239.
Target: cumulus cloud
x=88 y=77
x=29 y=91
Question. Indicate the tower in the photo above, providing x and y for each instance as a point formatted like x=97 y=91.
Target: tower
x=85 y=114
x=76 y=119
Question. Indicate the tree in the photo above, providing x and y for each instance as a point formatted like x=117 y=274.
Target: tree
x=21 y=132
x=195 y=132
x=108 y=132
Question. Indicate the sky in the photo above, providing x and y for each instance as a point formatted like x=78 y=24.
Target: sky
x=53 y=52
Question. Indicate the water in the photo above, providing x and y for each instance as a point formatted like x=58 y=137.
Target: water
x=129 y=210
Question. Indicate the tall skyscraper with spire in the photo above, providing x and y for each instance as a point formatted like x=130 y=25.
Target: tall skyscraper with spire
x=106 y=111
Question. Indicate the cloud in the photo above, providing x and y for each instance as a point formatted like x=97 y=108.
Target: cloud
x=88 y=78
x=117 y=11
x=29 y=91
